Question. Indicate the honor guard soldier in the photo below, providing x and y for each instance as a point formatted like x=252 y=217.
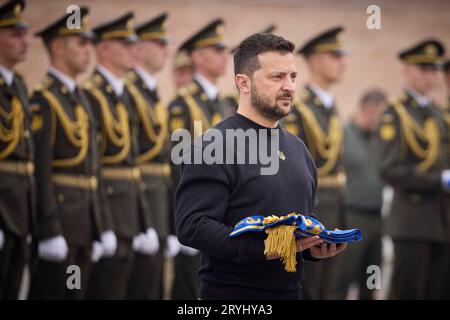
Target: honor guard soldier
x=446 y=112
x=149 y=56
x=198 y=101
x=412 y=159
x=182 y=68
x=65 y=140
x=17 y=187
x=182 y=73
x=447 y=80
x=314 y=119
x=125 y=219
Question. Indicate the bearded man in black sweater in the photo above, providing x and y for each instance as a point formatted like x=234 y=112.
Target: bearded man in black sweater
x=238 y=181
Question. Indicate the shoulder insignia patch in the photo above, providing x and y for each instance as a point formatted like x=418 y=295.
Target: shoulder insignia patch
x=44 y=84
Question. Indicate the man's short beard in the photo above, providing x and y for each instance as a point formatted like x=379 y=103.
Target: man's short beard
x=272 y=112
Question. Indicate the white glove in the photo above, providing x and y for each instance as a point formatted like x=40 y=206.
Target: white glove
x=54 y=249
x=445 y=180
x=97 y=251
x=109 y=243
x=188 y=250
x=146 y=243
x=172 y=246
x=2 y=240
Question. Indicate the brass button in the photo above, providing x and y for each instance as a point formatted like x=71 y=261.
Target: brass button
x=26 y=133
x=60 y=197
x=109 y=190
x=136 y=173
x=30 y=167
x=93 y=182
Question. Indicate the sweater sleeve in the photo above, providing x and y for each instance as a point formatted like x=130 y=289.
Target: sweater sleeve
x=201 y=203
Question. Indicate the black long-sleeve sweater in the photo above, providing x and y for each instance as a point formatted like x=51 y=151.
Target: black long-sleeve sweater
x=212 y=198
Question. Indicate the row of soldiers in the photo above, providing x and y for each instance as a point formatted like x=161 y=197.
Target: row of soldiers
x=86 y=170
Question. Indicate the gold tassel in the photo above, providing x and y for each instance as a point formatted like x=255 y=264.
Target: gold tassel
x=281 y=241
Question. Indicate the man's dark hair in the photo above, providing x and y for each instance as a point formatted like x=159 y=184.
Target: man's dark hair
x=373 y=97
x=246 y=55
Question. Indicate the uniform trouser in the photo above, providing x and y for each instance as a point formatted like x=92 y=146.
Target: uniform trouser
x=418 y=270
x=351 y=265
x=186 y=283
x=49 y=279
x=110 y=275
x=13 y=257
x=146 y=279
x=319 y=275
x=446 y=290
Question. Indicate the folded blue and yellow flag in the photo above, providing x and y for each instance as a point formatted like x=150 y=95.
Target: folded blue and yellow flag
x=282 y=232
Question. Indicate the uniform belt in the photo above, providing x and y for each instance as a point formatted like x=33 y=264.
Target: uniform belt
x=23 y=168
x=335 y=180
x=155 y=169
x=75 y=181
x=121 y=173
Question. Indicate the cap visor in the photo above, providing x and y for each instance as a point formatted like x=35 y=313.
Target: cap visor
x=341 y=52
x=88 y=35
x=19 y=25
x=221 y=45
x=131 y=39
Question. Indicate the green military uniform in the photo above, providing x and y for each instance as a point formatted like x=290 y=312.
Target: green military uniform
x=17 y=187
x=446 y=114
x=147 y=275
x=124 y=205
x=320 y=129
x=192 y=104
x=66 y=155
x=412 y=146
x=363 y=199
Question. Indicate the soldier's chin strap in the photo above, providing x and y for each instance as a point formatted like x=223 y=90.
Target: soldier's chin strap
x=283 y=230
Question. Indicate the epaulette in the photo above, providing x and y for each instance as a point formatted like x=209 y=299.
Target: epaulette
x=88 y=84
x=130 y=77
x=188 y=89
x=304 y=94
x=93 y=82
x=393 y=100
x=44 y=84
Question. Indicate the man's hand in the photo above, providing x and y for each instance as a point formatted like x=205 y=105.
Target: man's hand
x=97 y=251
x=146 y=243
x=302 y=245
x=53 y=249
x=172 y=246
x=327 y=250
x=109 y=243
